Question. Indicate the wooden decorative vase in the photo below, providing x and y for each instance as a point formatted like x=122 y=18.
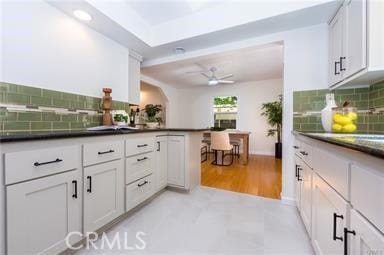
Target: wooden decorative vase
x=107 y=107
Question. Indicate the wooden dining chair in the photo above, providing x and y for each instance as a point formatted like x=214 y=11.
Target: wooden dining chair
x=220 y=143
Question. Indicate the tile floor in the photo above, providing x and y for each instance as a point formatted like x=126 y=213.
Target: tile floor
x=212 y=221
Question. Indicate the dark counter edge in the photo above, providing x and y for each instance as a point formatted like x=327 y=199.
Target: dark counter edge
x=76 y=134
x=361 y=148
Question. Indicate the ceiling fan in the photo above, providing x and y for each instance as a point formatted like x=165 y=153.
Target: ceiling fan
x=212 y=78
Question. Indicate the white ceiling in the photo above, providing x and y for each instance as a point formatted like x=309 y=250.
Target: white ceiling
x=153 y=28
x=250 y=64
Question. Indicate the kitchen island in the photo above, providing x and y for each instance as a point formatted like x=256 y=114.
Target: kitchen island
x=83 y=181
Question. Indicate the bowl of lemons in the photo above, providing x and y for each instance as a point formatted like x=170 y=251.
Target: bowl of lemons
x=344 y=119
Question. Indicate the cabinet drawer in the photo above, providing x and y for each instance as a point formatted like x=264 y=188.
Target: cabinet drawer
x=138 y=191
x=134 y=146
x=367 y=189
x=25 y=165
x=95 y=153
x=137 y=167
x=297 y=147
x=305 y=152
x=333 y=170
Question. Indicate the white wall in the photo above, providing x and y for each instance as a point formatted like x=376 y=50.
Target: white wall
x=197 y=107
x=43 y=47
x=305 y=68
x=153 y=95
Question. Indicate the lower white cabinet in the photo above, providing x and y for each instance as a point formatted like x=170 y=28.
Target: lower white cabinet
x=161 y=160
x=41 y=212
x=103 y=194
x=305 y=177
x=176 y=162
x=138 y=191
x=329 y=218
x=362 y=237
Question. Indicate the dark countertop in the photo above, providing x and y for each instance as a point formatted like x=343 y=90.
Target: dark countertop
x=367 y=143
x=30 y=136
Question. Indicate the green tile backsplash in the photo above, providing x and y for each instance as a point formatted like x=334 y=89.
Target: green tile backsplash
x=308 y=104
x=48 y=110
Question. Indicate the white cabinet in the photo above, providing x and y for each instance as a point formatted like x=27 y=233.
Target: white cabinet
x=298 y=164
x=335 y=47
x=161 y=168
x=329 y=217
x=41 y=212
x=134 y=79
x=363 y=238
x=176 y=162
x=305 y=177
x=103 y=194
x=139 y=191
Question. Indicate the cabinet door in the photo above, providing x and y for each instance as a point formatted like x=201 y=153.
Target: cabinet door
x=367 y=239
x=355 y=45
x=176 y=164
x=298 y=164
x=134 y=81
x=103 y=194
x=329 y=214
x=161 y=162
x=305 y=175
x=40 y=214
x=335 y=47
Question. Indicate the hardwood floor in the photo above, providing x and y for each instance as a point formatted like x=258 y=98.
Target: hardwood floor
x=261 y=177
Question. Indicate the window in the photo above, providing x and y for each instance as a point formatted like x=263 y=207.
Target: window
x=225 y=112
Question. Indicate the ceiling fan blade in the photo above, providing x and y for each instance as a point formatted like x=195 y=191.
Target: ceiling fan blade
x=205 y=75
x=226 y=77
x=226 y=82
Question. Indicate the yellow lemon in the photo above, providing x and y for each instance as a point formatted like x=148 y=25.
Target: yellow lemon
x=337 y=127
x=336 y=116
x=343 y=120
x=352 y=115
x=349 y=128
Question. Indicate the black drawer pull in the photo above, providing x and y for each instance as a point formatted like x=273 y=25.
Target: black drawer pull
x=346 y=232
x=335 y=216
x=90 y=184
x=141 y=159
x=298 y=173
x=158 y=146
x=304 y=153
x=48 y=162
x=341 y=64
x=296 y=170
x=142 y=184
x=142 y=145
x=74 y=182
x=336 y=72
x=295 y=147
x=105 y=152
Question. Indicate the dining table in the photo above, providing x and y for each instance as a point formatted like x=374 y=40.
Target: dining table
x=236 y=135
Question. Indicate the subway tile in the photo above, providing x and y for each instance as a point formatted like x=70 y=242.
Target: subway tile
x=51 y=94
x=60 y=103
x=77 y=125
x=30 y=91
x=61 y=125
x=50 y=116
x=41 y=101
x=29 y=116
x=308 y=93
x=69 y=117
x=69 y=96
x=17 y=99
x=344 y=91
x=16 y=125
x=41 y=125
x=8 y=116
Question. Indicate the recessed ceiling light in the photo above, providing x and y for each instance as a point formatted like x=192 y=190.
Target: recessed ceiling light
x=82 y=15
x=179 y=50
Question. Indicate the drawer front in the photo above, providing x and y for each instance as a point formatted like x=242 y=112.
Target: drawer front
x=367 y=189
x=95 y=153
x=138 y=166
x=297 y=147
x=135 y=146
x=26 y=165
x=139 y=191
x=333 y=169
x=306 y=152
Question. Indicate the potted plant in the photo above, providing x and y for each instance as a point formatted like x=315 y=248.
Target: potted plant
x=274 y=113
x=120 y=119
x=152 y=110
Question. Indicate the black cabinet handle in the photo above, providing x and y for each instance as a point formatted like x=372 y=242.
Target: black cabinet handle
x=141 y=159
x=341 y=64
x=336 y=72
x=158 y=146
x=296 y=170
x=346 y=232
x=105 y=152
x=335 y=237
x=304 y=153
x=298 y=174
x=74 y=182
x=142 y=184
x=295 y=147
x=142 y=145
x=90 y=184
x=48 y=162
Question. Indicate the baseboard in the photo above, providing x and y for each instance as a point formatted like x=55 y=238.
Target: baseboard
x=288 y=200
x=264 y=153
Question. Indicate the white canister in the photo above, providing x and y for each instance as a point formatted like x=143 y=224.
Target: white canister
x=326 y=113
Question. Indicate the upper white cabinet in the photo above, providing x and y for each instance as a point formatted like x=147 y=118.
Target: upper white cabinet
x=134 y=78
x=355 y=56
x=176 y=163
